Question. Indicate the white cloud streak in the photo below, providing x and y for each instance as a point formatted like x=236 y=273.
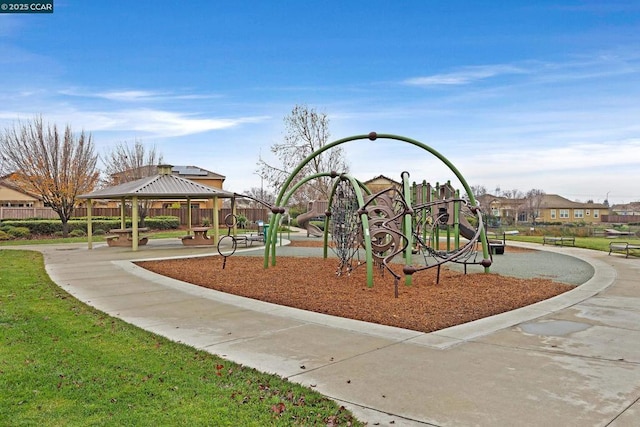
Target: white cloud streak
x=465 y=76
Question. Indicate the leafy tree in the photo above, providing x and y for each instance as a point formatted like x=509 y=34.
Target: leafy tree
x=126 y=163
x=306 y=131
x=57 y=167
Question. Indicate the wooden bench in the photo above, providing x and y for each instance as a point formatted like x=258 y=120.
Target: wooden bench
x=623 y=247
x=562 y=241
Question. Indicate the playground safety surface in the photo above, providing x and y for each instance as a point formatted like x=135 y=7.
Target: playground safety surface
x=311 y=284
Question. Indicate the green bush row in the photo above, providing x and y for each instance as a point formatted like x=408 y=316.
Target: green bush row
x=8 y=232
x=99 y=225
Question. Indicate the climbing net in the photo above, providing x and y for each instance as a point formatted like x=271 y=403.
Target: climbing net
x=345 y=227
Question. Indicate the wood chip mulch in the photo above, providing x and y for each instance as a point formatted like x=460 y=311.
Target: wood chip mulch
x=312 y=284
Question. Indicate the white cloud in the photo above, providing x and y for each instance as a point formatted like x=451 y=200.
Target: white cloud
x=133 y=95
x=159 y=123
x=465 y=76
x=152 y=123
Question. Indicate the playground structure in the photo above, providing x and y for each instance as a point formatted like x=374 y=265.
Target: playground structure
x=315 y=209
x=395 y=221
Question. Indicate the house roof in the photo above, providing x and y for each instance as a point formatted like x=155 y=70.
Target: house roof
x=6 y=181
x=549 y=201
x=163 y=186
x=633 y=206
x=381 y=177
x=556 y=201
x=189 y=172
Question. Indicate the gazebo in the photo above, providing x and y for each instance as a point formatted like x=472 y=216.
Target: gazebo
x=163 y=186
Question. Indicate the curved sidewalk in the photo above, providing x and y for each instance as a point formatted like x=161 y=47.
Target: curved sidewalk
x=573 y=360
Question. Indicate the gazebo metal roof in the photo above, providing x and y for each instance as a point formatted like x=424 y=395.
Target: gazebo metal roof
x=161 y=186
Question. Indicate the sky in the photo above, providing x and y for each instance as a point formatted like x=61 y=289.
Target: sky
x=517 y=95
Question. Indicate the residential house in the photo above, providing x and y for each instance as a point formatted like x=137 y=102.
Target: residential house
x=12 y=196
x=632 y=209
x=549 y=208
x=380 y=183
x=625 y=213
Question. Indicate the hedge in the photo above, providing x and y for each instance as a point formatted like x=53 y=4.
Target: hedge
x=52 y=226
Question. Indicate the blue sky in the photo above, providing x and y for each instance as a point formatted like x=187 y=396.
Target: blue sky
x=518 y=94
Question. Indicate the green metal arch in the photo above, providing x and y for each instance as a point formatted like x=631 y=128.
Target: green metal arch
x=373 y=136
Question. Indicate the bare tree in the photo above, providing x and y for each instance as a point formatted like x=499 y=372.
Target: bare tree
x=126 y=163
x=260 y=194
x=56 y=167
x=532 y=203
x=306 y=131
x=513 y=194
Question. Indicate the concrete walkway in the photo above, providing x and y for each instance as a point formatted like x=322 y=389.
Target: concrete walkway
x=573 y=360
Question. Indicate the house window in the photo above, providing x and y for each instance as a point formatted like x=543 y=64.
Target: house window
x=564 y=213
x=553 y=213
x=588 y=212
x=596 y=213
x=578 y=213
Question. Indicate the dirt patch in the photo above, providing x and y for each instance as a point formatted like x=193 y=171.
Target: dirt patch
x=311 y=284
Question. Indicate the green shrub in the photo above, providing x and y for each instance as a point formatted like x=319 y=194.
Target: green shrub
x=163 y=222
x=77 y=233
x=48 y=227
x=4 y=235
x=19 y=232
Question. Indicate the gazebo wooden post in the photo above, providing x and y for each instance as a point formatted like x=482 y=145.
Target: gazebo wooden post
x=216 y=221
x=234 y=210
x=123 y=221
x=89 y=225
x=134 y=223
x=189 y=215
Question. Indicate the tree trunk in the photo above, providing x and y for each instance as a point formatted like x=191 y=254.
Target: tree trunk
x=65 y=227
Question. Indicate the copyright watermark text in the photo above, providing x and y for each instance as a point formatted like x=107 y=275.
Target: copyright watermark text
x=23 y=6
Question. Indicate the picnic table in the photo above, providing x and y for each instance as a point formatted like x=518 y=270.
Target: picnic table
x=123 y=237
x=199 y=237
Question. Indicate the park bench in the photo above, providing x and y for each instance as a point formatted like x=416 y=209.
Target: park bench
x=623 y=247
x=248 y=239
x=496 y=245
x=561 y=241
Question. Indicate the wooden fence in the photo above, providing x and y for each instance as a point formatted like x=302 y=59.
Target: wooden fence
x=253 y=215
x=621 y=219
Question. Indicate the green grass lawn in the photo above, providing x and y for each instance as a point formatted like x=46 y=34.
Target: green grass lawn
x=595 y=243
x=64 y=363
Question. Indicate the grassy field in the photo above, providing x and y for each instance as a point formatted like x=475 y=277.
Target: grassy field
x=595 y=243
x=64 y=363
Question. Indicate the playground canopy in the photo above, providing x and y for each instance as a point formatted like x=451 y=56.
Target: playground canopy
x=165 y=185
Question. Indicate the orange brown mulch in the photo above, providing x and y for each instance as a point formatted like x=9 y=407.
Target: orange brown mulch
x=312 y=284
